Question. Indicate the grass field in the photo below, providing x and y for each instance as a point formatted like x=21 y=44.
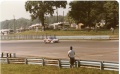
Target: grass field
x=69 y=32
x=36 y=69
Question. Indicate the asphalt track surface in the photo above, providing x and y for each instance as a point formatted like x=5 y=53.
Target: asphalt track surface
x=98 y=50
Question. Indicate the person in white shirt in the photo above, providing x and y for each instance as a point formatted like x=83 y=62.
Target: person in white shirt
x=71 y=55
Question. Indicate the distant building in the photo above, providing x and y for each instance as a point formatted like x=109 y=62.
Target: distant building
x=6 y=31
x=73 y=25
x=21 y=29
x=56 y=25
x=35 y=25
x=77 y=26
x=59 y=25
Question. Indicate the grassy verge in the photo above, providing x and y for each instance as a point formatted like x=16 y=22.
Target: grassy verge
x=36 y=69
x=70 y=32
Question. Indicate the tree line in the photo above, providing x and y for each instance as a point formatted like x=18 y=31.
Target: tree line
x=87 y=12
x=91 y=12
x=25 y=23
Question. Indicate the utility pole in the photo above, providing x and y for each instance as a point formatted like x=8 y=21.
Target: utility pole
x=57 y=15
x=63 y=16
x=63 y=19
x=14 y=24
x=114 y=13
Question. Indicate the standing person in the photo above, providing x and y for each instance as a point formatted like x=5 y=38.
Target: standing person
x=112 y=30
x=71 y=55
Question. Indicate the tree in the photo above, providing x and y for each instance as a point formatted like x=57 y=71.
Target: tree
x=82 y=11
x=38 y=9
x=21 y=22
x=111 y=10
x=69 y=19
x=91 y=12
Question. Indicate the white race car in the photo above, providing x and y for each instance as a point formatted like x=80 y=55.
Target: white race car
x=51 y=40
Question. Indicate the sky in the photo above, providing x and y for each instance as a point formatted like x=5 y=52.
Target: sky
x=10 y=9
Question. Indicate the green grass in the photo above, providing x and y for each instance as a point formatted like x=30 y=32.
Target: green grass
x=69 y=33
x=36 y=69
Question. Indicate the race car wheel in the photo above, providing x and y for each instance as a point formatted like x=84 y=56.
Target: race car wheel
x=52 y=41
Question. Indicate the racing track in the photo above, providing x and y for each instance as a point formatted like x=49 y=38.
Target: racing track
x=99 y=50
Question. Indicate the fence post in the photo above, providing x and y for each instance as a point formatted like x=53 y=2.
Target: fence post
x=59 y=63
x=18 y=37
x=54 y=36
x=46 y=35
x=25 y=37
x=2 y=55
x=26 y=61
x=10 y=55
x=101 y=65
x=14 y=55
x=43 y=62
x=42 y=36
x=7 y=54
x=77 y=63
x=8 y=62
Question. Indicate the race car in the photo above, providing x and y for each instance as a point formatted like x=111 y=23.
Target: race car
x=51 y=40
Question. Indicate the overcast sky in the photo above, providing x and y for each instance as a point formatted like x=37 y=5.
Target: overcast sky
x=11 y=8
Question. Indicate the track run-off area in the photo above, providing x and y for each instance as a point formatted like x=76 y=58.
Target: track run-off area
x=99 y=50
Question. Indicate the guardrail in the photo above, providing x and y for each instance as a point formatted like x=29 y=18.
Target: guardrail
x=8 y=55
x=22 y=37
x=34 y=61
x=110 y=66
x=84 y=37
x=29 y=37
x=63 y=63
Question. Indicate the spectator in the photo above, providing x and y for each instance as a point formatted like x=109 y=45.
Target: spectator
x=71 y=55
x=112 y=30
